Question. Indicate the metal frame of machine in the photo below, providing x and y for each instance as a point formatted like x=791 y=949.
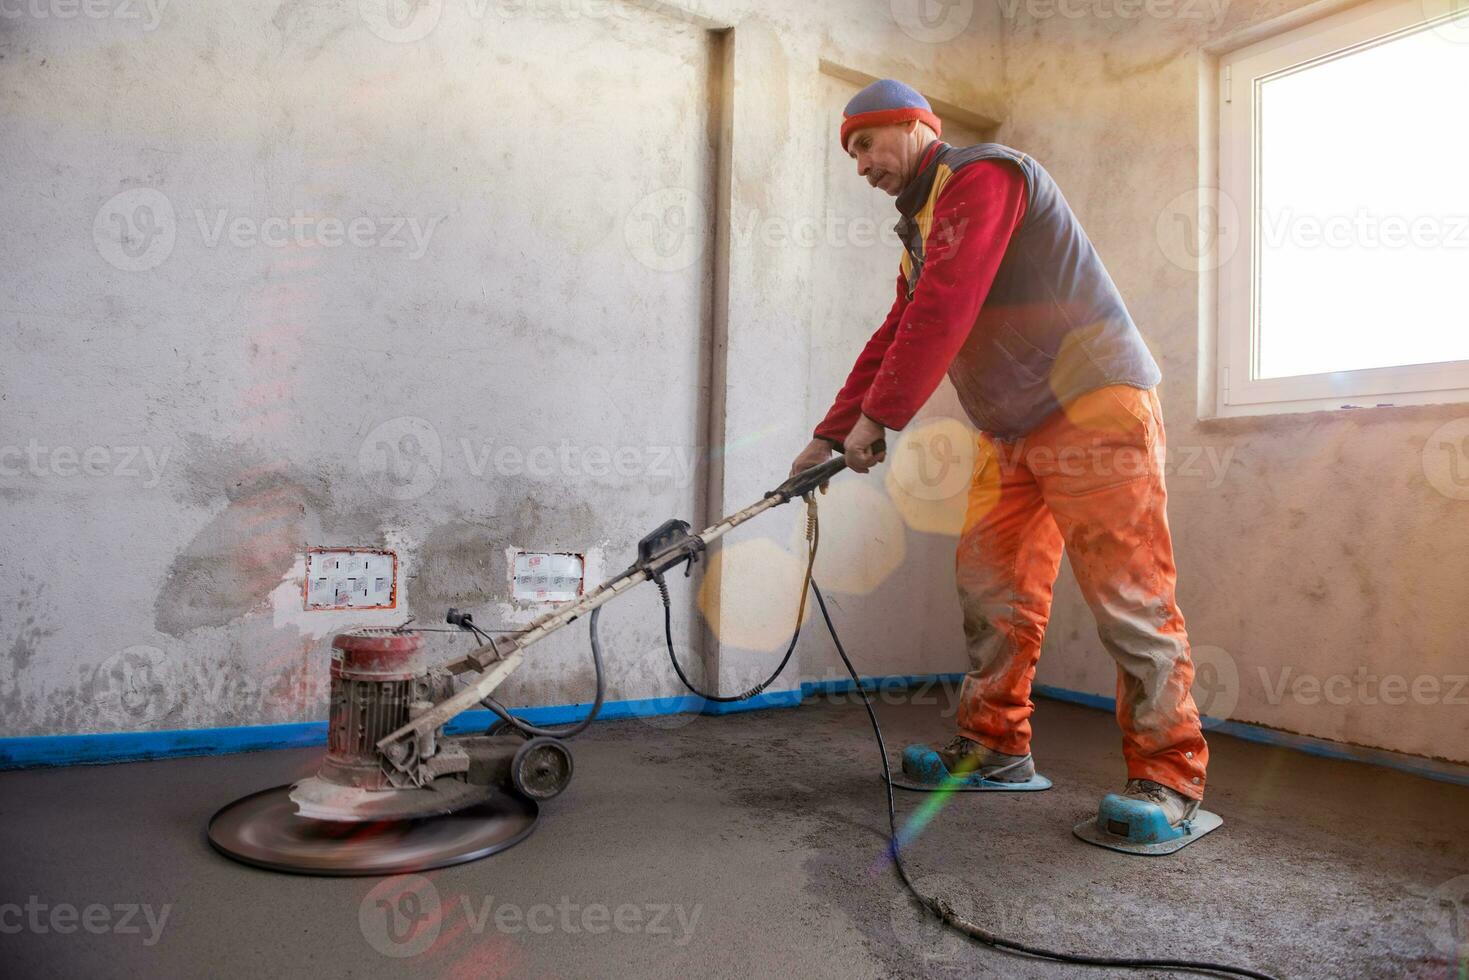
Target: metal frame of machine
x=378 y=803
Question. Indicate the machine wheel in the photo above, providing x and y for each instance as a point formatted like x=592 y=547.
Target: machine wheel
x=503 y=727
x=541 y=768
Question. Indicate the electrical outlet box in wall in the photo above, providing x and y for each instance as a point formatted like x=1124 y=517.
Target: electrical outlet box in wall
x=351 y=578
x=548 y=577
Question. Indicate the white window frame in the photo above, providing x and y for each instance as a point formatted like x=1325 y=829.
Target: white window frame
x=1241 y=72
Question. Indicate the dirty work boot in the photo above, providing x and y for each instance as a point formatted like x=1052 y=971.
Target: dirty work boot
x=964 y=757
x=1176 y=807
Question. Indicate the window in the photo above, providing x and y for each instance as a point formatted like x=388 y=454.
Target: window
x=1344 y=160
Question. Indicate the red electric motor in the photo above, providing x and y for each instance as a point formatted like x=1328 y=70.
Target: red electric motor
x=379 y=676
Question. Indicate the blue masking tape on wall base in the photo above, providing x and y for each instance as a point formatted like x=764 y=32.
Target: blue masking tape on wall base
x=1446 y=772
x=106 y=747
x=65 y=750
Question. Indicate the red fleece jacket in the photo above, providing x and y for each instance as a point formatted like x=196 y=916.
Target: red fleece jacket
x=977 y=211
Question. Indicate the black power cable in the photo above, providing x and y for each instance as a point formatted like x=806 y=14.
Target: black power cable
x=946 y=912
x=466 y=622
x=811 y=538
x=937 y=906
x=526 y=727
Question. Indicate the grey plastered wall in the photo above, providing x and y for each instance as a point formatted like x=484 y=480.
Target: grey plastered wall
x=1310 y=547
x=449 y=280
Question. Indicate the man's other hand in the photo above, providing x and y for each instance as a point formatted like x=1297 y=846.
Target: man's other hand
x=858 y=443
x=817 y=451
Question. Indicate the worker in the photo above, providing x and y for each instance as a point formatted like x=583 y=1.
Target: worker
x=1000 y=288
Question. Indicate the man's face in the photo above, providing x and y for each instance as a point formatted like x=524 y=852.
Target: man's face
x=884 y=155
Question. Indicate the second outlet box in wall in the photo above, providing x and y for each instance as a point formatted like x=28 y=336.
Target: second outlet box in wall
x=547 y=576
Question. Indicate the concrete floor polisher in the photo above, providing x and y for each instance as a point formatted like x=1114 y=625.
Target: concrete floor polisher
x=356 y=817
x=394 y=793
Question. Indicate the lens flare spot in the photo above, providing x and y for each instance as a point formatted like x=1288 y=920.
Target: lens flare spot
x=750 y=593
x=863 y=537
x=928 y=475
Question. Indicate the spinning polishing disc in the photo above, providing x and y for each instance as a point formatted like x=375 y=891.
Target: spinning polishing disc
x=265 y=830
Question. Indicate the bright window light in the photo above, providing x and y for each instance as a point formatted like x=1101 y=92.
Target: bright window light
x=1362 y=220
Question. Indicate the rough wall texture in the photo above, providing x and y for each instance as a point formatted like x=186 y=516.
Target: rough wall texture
x=203 y=376
x=1321 y=572
x=444 y=279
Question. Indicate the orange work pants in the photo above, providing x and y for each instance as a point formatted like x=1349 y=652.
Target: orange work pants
x=1090 y=478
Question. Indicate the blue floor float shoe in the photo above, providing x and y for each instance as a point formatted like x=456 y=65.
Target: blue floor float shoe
x=1148 y=818
x=966 y=766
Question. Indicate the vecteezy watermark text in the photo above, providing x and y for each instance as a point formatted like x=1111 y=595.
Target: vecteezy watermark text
x=321 y=231
x=37 y=459
x=143 y=684
x=668 y=230
x=148 y=12
x=1201 y=229
x=135 y=230
x=932 y=21
x=675 y=463
x=1218 y=682
x=1363 y=229
x=1363 y=687
x=1212 y=11
x=404 y=457
x=406 y=21
x=405 y=916
x=1107 y=461
x=64 y=918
